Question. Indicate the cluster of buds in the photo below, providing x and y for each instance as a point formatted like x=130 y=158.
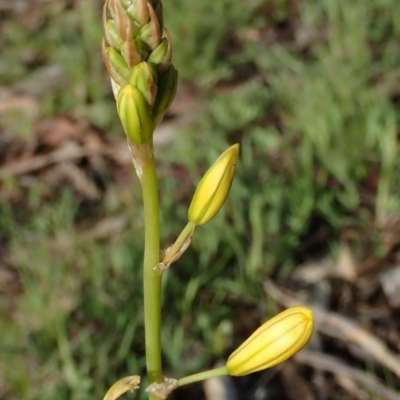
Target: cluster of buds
x=137 y=51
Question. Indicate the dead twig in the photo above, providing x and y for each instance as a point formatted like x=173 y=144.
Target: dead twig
x=68 y=152
x=335 y=366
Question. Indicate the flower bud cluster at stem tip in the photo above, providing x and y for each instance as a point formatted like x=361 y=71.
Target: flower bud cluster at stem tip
x=137 y=51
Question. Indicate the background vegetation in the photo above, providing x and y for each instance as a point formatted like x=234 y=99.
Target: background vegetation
x=310 y=89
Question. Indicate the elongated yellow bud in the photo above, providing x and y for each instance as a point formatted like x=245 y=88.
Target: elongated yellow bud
x=214 y=187
x=135 y=115
x=274 y=342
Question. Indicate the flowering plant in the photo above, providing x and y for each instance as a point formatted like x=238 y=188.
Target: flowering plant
x=137 y=51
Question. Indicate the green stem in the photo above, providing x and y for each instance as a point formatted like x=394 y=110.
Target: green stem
x=151 y=278
x=187 y=230
x=68 y=365
x=201 y=376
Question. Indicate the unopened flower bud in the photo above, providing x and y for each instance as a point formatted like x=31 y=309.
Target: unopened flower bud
x=137 y=10
x=151 y=32
x=135 y=114
x=144 y=77
x=113 y=37
x=162 y=54
x=214 y=187
x=116 y=65
x=167 y=84
x=274 y=342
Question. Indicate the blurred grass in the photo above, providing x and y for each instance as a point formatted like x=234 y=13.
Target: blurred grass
x=310 y=89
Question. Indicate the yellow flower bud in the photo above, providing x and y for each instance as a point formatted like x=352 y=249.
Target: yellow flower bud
x=135 y=115
x=274 y=342
x=214 y=187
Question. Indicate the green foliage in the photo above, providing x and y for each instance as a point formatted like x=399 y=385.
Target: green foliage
x=75 y=327
x=205 y=35
x=56 y=57
x=316 y=124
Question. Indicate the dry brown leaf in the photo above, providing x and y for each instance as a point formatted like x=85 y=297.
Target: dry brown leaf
x=390 y=282
x=335 y=366
x=345 y=266
x=55 y=131
x=215 y=389
x=296 y=387
x=79 y=180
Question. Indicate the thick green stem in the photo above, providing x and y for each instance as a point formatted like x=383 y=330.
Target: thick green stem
x=151 y=278
x=212 y=373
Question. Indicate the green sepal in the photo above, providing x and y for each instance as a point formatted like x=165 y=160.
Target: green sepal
x=117 y=71
x=159 y=53
x=150 y=34
x=162 y=54
x=144 y=77
x=137 y=11
x=113 y=38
